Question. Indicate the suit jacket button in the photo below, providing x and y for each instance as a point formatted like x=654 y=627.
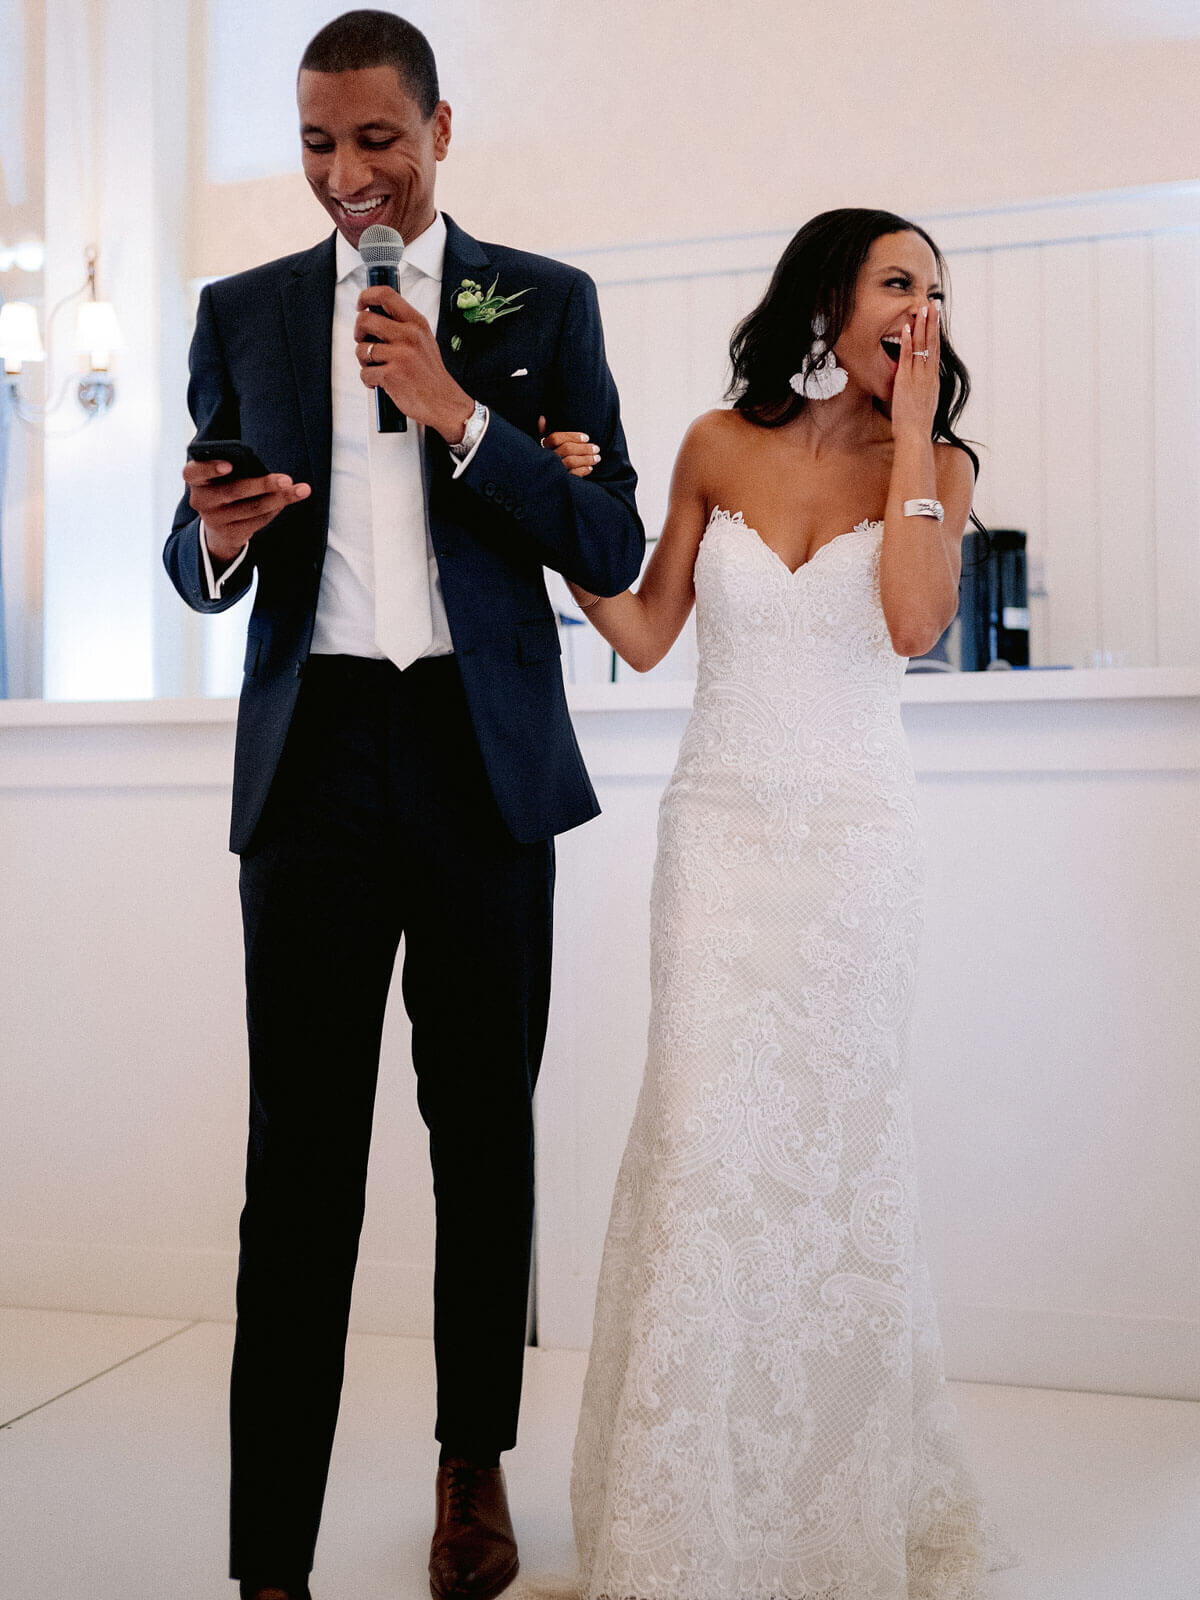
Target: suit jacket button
x=489 y=489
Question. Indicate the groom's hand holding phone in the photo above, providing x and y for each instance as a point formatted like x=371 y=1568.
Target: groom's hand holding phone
x=234 y=495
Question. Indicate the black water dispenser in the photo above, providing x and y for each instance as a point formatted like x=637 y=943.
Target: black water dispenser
x=993 y=606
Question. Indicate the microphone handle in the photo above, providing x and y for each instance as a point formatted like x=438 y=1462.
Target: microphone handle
x=388 y=416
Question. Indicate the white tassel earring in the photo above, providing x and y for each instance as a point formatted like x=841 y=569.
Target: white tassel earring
x=820 y=377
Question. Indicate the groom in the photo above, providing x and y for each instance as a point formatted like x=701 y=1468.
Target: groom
x=404 y=759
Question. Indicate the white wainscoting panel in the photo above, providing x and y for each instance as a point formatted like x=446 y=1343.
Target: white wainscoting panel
x=1125 y=443
x=122 y=1035
x=1069 y=467
x=1176 y=485
x=1055 y=1052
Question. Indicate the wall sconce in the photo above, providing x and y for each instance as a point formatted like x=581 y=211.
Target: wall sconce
x=97 y=335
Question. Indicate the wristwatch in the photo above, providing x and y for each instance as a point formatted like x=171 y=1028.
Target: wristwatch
x=472 y=433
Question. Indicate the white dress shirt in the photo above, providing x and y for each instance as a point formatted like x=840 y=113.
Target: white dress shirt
x=345 y=620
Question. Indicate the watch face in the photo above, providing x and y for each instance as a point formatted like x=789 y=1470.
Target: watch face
x=472 y=430
x=474 y=426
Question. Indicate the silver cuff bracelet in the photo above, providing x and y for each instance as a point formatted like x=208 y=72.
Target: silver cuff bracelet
x=925 y=508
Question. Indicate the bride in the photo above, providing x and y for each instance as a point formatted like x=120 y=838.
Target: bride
x=765 y=1412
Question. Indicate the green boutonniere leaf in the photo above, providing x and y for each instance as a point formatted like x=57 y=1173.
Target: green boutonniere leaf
x=484 y=305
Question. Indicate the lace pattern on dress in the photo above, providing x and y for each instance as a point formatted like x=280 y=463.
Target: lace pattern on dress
x=765 y=1415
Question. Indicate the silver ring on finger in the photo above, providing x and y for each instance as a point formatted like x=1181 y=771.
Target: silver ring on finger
x=367 y=361
x=923 y=355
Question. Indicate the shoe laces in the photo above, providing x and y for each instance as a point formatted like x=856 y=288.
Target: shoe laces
x=463 y=1480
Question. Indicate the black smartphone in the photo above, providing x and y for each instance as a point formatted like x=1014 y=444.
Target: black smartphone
x=241 y=458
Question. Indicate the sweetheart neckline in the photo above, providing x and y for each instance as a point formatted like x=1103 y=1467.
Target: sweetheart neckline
x=738 y=520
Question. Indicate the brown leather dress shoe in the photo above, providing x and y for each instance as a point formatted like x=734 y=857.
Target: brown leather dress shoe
x=474 y=1552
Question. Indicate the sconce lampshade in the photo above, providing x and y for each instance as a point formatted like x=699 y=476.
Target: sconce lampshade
x=97 y=333
x=29 y=255
x=19 y=337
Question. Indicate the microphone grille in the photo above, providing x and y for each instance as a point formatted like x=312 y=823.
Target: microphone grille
x=381 y=246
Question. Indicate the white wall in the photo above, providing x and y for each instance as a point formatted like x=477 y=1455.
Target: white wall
x=1055 y=1050
x=597 y=124
x=612 y=120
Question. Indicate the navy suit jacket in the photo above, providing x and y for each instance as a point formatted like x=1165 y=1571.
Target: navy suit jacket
x=260 y=371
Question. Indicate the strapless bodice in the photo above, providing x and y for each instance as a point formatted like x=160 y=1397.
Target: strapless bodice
x=759 y=623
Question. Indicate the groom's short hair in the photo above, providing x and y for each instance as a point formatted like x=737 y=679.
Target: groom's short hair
x=359 y=39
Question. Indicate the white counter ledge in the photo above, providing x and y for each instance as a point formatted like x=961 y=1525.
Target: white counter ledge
x=936 y=688
x=649 y=694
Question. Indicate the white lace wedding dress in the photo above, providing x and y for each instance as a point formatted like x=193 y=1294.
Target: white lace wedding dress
x=765 y=1413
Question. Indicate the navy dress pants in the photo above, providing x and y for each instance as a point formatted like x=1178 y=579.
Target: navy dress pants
x=380 y=824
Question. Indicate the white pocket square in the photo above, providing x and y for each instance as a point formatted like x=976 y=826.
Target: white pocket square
x=521 y=372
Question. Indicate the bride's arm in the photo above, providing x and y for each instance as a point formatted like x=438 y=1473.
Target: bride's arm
x=642 y=625
x=920 y=560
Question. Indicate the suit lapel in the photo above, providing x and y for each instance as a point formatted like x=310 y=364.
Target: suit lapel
x=465 y=258
x=308 y=317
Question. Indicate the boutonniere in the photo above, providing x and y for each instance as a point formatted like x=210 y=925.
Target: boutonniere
x=483 y=305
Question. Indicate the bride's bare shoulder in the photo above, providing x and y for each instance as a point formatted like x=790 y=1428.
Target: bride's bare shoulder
x=713 y=436
x=701 y=468
x=717 y=426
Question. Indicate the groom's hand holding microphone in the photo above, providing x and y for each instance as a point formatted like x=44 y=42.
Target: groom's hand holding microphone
x=397 y=353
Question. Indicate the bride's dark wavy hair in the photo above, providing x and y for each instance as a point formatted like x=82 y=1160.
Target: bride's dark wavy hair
x=818 y=273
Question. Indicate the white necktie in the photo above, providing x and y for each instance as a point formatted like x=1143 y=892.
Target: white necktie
x=403 y=622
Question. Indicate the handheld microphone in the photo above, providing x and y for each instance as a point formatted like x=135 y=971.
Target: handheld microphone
x=382 y=250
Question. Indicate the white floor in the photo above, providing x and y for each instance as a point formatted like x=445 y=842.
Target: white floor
x=112 y=1485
